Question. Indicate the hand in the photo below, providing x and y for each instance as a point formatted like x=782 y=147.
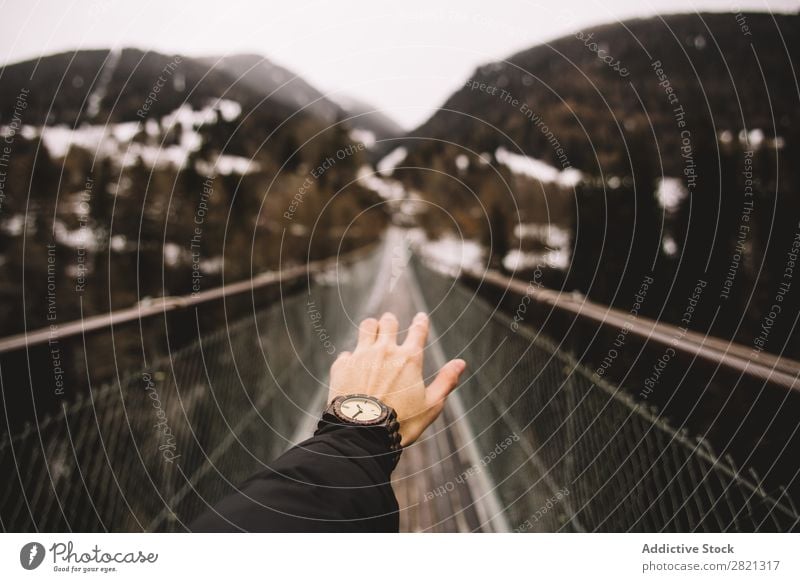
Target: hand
x=379 y=367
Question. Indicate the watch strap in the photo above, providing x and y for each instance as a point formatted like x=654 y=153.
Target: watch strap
x=389 y=428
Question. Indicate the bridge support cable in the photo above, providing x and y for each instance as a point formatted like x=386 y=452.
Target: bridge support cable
x=585 y=455
x=531 y=441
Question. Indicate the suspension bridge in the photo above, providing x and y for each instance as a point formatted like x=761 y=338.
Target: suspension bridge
x=533 y=439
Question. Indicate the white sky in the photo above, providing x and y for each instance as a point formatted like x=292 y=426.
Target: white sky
x=404 y=57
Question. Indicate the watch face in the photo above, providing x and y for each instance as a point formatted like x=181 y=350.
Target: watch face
x=360 y=409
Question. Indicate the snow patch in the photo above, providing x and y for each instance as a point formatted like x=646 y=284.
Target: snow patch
x=80 y=238
x=15 y=225
x=213 y=265
x=151 y=127
x=456 y=252
x=187 y=116
x=527 y=166
x=554 y=240
x=125 y=132
x=386 y=189
x=548 y=234
x=172 y=254
x=364 y=136
x=59 y=139
x=670 y=192
x=118 y=243
x=669 y=246
x=227 y=165
x=389 y=162
x=554 y=258
x=115 y=140
x=755 y=137
x=229 y=110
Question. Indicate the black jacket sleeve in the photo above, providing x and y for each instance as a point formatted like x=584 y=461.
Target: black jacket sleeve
x=336 y=481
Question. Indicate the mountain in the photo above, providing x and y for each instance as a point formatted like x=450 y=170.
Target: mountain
x=99 y=86
x=269 y=79
x=365 y=117
x=661 y=147
x=111 y=157
x=707 y=63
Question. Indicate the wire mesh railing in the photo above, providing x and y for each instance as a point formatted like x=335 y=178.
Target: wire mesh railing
x=152 y=450
x=571 y=452
x=565 y=450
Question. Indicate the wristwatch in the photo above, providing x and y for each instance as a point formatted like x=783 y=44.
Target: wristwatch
x=366 y=411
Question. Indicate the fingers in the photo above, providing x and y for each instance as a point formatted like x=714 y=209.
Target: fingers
x=384 y=332
x=387 y=329
x=417 y=333
x=445 y=381
x=367 y=332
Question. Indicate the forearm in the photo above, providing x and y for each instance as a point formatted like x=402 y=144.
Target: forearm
x=339 y=480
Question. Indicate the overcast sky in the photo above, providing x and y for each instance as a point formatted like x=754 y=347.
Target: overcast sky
x=403 y=57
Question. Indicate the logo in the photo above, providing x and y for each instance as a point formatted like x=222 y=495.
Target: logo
x=31 y=555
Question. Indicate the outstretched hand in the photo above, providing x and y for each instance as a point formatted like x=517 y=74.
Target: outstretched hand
x=393 y=373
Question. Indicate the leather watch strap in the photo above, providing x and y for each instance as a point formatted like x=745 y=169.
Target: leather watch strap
x=390 y=425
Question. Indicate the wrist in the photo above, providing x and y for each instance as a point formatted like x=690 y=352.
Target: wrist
x=366 y=416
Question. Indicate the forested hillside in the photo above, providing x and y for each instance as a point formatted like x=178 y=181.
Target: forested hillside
x=663 y=147
x=132 y=174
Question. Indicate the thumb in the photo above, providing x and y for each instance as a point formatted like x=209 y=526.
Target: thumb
x=445 y=381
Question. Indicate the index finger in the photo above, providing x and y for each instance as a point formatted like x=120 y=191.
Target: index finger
x=367 y=332
x=418 y=332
